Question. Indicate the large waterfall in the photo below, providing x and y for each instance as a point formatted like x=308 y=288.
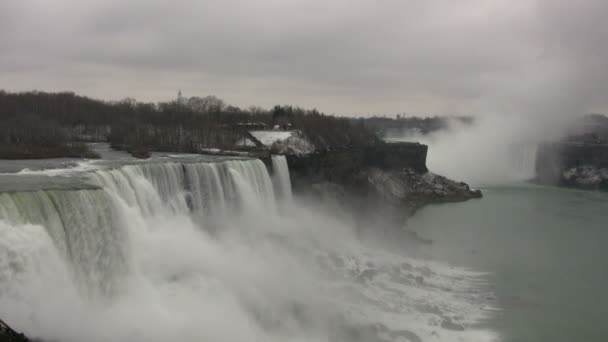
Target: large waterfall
x=90 y=227
x=191 y=250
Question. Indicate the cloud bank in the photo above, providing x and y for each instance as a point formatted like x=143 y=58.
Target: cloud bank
x=343 y=56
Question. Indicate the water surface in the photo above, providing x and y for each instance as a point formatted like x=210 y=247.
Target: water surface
x=545 y=250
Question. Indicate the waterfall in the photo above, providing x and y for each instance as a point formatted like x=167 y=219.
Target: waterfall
x=522 y=160
x=90 y=227
x=206 y=189
x=85 y=227
x=281 y=177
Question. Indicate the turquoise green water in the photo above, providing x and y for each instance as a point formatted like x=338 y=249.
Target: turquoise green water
x=546 y=253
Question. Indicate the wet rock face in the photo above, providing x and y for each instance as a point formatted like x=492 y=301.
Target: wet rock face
x=417 y=189
x=586 y=177
x=388 y=181
x=343 y=166
x=7 y=334
x=573 y=164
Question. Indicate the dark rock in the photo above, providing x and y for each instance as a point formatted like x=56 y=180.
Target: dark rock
x=7 y=334
x=571 y=164
x=579 y=160
x=449 y=325
x=140 y=152
x=382 y=184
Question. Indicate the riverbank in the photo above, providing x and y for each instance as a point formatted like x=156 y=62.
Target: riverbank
x=64 y=150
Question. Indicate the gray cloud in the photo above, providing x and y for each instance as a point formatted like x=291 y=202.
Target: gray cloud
x=343 y=56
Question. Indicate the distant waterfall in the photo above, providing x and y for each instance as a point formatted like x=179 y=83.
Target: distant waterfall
x=281 y=177
x=522 y=160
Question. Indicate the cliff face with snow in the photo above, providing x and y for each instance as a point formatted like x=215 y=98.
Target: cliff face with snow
x=390 y=178
x=580 y=160
x=292 y=142
x=574 y=164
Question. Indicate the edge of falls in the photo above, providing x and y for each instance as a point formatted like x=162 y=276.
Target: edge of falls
x=90 y=227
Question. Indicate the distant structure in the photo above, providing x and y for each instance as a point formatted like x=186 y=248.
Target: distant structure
x=180 y=98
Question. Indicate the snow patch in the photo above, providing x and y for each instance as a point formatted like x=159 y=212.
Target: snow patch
x=270 y=137
x=285 y=142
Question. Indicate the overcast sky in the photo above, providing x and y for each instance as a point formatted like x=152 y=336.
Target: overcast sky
x=340 y=56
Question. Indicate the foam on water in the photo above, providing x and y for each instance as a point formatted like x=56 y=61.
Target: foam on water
x=201 y=251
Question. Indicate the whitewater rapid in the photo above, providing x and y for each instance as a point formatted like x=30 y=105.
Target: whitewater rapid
x=195 y=250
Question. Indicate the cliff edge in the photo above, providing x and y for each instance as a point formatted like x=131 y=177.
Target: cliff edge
x=573 y=164
x=580 y=160
x=389 y=180
x=7 y=334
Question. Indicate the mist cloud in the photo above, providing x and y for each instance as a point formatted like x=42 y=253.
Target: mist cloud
x=347 y=57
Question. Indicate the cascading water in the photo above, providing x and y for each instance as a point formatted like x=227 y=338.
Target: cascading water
x=84 y=226
x=281 y=177
x=136 y=257
x=522 y=160
x=90 y=227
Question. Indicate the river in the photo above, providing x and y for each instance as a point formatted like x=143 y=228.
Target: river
x=544 y=250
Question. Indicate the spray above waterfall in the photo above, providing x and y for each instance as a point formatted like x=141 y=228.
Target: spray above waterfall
x=493 y=150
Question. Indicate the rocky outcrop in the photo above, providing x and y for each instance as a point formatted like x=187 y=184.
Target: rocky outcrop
x=581 y=165
x=580 y=159
x=389 y=180
x=418 y=189
x=7 y=334
x=342 y=166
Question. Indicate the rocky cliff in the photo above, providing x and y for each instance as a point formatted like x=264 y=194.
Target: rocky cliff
x=390 y=180
x=574 y=164
x=7 y=334
x=580 y=159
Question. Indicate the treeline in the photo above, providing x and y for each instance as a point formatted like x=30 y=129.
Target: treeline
x=423 y=125
x=29 y=136
x=38 y=124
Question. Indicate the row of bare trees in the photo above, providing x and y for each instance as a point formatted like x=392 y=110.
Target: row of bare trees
x=31 y=119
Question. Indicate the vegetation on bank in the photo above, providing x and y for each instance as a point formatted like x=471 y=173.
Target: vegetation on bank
x=45 y=125
x=28 y=136
x=423 y=125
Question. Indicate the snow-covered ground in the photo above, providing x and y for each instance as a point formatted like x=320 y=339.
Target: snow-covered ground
x=285 y=142
x=270 y=137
